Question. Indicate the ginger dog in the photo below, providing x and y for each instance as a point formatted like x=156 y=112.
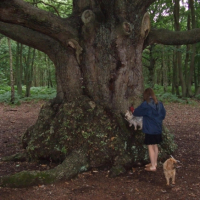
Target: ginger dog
x=169 y=168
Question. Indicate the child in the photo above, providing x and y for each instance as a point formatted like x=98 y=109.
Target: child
x=153 y=113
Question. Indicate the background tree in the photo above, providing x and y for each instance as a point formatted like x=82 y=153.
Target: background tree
x=97 y=53
x=19 y=68
x=193 y=49
x=29 y=62
x=11 y=73
x=43 y=72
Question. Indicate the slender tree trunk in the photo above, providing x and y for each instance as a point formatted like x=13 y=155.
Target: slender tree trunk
x=169 y=77
x=197 y=75
x=21 y=63
x=186 y=68
x=193 y=49
x=179 y=59
x=11 y=73
x=19 y=70
x=49 y=78
x=34 y=75
x=173 y=75
x=29 y=70
x=182 y=81
x=164 y=71
x=175 y=85
x=151 y=67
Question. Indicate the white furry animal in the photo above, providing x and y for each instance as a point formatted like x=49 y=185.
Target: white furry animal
x=169 y=168
x=133 y=120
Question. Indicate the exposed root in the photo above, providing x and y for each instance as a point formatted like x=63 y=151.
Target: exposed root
x=71 y=166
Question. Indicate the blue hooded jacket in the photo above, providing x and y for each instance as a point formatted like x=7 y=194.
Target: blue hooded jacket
x=153 y=115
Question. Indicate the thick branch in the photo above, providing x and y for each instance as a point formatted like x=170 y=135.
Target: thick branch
x=24 y=14
x=167 y=37
x=28 y=37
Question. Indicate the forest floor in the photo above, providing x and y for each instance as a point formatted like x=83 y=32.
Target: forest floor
x=183 y=120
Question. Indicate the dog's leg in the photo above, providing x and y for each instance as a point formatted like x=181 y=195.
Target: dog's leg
x=135 y=126
x=173 y=178
x=140 y=126
x=167 y=178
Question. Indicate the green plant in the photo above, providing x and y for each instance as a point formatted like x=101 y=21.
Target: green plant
x=198 y=96
x=168 y=97
x=37 y=93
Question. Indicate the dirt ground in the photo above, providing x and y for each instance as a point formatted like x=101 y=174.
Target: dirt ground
x=184 y=120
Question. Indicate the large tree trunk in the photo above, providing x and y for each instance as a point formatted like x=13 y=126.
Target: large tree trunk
x=99 y=75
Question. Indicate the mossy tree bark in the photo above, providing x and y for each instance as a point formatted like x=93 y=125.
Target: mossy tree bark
x=97 y=55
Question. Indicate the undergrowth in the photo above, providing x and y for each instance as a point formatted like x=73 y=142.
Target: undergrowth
x=37 y=93
x=45 y=93
x=168 y=97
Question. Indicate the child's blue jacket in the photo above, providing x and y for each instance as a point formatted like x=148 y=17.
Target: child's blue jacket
x=153 y=115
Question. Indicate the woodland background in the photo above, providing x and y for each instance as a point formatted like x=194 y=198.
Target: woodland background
x=173 y=71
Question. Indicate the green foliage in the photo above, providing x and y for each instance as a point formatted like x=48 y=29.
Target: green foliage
x=62 y=8
x=37 y=93
x=169 y=97
x=198 y=96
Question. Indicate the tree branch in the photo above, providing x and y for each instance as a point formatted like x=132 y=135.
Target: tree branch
x=167 y=37
x=26 y=15
x=30 y=37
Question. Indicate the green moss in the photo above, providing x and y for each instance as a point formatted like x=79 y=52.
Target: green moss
x=26 y=178
x=117 y=170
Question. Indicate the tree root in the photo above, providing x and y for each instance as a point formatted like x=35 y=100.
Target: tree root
x=71 y=166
